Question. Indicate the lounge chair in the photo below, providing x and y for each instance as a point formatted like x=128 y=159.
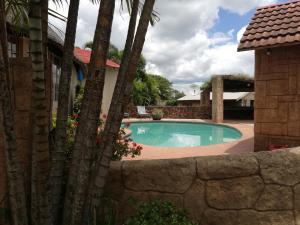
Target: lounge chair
x=141 y=110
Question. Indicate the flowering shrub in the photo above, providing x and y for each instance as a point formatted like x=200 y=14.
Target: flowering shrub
x=123 y=147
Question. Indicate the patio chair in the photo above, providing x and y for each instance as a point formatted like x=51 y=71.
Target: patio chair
x=141 y=110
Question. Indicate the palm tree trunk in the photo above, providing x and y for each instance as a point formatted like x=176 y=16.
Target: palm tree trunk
x=86 y=133
x=40 y=213
x=121 y=98
x=58 y=155
x=90 y=206
x=15 y=179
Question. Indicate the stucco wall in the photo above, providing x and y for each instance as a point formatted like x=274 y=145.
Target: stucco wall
x=277 y=97
x=111 y=76
x=250 y=189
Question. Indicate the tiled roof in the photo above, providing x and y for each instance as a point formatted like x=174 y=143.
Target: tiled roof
x=272 y=26
x=54 y=35
x=84 y=56
x=226 y=96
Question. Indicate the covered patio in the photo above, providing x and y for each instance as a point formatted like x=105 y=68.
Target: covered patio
x=227 y=83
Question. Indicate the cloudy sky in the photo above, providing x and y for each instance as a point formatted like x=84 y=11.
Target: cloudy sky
x=193 y=40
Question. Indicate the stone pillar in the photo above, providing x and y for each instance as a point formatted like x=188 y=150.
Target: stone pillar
x=217 y=99
x=205 y=98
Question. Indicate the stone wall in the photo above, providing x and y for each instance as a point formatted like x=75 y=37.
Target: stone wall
x=177 y=112
x=250 y=189
x=277 y=97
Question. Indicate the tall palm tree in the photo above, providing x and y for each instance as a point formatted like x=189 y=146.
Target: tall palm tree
x=83 y=154
x=121 y=96
x=86 y=133
x=40 y=145
x=58 y=158
x=58 y=154
x=16 y=189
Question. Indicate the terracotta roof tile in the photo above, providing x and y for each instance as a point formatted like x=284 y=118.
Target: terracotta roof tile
x=272 y=26
x=84 y=56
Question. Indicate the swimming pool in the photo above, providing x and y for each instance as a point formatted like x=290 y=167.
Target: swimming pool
x=181 y=134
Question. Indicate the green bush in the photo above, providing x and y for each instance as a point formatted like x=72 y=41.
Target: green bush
x=159 y=213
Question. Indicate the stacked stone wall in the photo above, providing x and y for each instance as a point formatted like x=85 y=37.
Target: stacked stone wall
x=277 y=97
x=257 y=188
x=177 y=112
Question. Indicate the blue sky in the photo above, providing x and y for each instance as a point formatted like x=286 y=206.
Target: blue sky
x=231 y=21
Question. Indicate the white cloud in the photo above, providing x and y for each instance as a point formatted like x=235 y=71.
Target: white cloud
x=180 y=46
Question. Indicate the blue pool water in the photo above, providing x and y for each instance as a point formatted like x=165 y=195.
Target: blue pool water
x=174 y=134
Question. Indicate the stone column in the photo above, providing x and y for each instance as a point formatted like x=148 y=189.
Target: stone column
x=205 y=98
x=217 y=99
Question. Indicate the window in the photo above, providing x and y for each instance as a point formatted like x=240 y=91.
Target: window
x=12 y=50
x=56 y=72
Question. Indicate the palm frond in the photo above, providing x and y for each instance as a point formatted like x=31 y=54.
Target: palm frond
x=95 y=1
x=154 y=17
x=17 y=11
x=59 y=2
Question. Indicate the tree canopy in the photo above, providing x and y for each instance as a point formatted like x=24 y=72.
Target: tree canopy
x=148 y=89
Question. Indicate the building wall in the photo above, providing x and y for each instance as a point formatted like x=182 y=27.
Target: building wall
x=74 y=82
x=109 y=86
x=277 y=97
x=247 y=189
x=248 y=100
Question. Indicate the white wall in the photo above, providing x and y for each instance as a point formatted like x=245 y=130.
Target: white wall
x=109 y=86
x=110 y=81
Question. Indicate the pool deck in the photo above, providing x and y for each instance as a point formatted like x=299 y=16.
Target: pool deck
x=243 y=145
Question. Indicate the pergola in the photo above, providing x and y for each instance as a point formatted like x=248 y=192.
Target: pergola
x=220 y=84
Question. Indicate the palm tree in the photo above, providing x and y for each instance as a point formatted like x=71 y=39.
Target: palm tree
x=58 y=159
x=121 y=97
x=58 y=154
x=83 y=154
x=86 y=133
x=14 y=175
x=40 y=145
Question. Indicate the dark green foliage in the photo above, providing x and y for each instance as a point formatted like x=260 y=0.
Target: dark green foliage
x=164 y=86
x=172 y=102
x=159 y=213
x=154 y=89
x=145 y=92
x=175 y=96
x=239 y=76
